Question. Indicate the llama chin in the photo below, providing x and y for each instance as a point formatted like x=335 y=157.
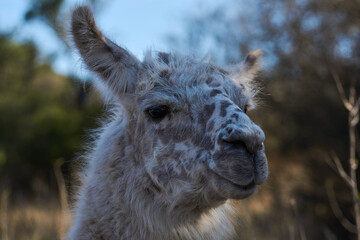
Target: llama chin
x=181 y=145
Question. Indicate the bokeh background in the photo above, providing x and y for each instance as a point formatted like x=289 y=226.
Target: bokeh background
x=48 y=107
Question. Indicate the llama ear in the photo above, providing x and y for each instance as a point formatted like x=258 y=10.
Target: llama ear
x=251 y=63
x=247 y=70
x=116 y=66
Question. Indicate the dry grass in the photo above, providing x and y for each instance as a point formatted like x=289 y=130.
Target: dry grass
x=38 y=218
x=33 y=221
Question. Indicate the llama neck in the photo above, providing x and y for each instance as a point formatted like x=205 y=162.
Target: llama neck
x=120 y=193
x=151 y=218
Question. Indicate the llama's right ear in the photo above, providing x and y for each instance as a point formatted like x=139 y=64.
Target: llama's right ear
x=116 y=66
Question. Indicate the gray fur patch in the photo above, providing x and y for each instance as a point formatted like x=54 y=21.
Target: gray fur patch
x=215 y=92
x=223 y=106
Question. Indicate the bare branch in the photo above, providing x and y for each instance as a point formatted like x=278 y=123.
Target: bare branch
x=336 y=209
x=354 y=121
x=341 y=91
x=352 y=93
x=356 y=107
x=352 y=105
x=339 y=168
x=331 y=164
x=355 y=113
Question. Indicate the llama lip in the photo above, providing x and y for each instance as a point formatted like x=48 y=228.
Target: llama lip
x=242 y=186
x=235 y=166
x=246 y=191
x=245 y=187
x=235 y=191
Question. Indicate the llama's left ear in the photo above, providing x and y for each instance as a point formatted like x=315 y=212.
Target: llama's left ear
x=115 y=66
x=247 y=70
x=252 y=62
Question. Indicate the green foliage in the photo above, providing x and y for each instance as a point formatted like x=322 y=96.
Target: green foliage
x=42 y=118
x=51 y=13
x=47 y=8
x=48 y=11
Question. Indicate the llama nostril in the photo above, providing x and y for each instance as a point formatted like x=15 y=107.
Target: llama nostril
x=240 y=139
x=237 y=143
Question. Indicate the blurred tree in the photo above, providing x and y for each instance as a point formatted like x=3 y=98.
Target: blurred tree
x=305 y=42
x=42 y=118
x=50 y=12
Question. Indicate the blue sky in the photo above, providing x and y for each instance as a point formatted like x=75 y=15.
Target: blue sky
x=136 y=24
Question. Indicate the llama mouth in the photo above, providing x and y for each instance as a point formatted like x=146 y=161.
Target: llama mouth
x=242 y=191
x=238 y=191
x=235 y=168
x=245 y=187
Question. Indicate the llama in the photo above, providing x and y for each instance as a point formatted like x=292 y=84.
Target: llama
x=178 y=147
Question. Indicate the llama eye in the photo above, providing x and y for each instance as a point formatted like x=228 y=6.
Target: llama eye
x=245 y=108
x=158 y=112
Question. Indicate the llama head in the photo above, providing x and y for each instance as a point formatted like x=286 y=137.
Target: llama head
x=186 y=118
